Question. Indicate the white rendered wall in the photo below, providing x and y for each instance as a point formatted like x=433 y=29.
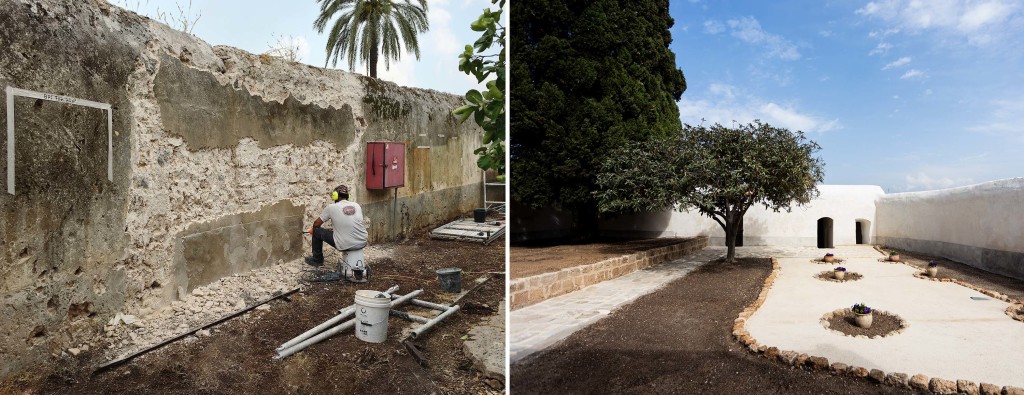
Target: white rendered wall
x=845 y=204
x=981 y=225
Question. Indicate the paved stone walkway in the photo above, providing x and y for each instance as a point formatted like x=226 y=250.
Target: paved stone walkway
x=486 y=343
x=541 y=325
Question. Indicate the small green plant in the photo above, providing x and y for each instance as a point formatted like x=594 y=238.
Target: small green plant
x=861 y=308
x=893 y=252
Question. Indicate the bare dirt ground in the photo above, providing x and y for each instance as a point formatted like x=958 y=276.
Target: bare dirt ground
x=532 y=259
x=237 y=356
x=677 y=340
x=1011 y=287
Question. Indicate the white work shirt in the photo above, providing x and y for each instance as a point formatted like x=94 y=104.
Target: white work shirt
x=347 y=218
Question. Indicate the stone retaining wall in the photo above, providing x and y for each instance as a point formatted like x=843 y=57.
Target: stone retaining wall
x=219 y=158
x=534 y=289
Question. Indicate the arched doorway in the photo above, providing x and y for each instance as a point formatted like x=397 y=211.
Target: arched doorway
x=861 y=233
x=825 y=233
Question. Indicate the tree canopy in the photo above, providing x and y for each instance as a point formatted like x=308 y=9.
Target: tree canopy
x=368 y=29
x=719 y=171
x=588 y=76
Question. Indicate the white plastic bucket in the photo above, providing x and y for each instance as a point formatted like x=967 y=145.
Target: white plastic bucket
x=372 y=316
x=353 y=259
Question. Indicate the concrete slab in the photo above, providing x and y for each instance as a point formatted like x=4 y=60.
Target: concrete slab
x=486 y=343
x=950 y=335
x=542 y=325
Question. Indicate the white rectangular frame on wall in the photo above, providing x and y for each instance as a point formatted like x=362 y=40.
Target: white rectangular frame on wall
x=12 y=92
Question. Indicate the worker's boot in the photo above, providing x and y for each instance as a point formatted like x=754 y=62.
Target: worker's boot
x=314 y=261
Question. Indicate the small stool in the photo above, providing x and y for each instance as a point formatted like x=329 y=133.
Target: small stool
x=353 y=267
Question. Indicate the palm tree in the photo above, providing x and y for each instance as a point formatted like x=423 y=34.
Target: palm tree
x=368 y=29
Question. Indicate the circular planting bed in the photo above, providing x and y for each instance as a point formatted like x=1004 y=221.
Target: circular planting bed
x=829 y=275
x=837 y=260
x=885 y=324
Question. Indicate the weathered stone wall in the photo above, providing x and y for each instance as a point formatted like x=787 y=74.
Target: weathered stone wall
x=220 y=157
x=980 y=225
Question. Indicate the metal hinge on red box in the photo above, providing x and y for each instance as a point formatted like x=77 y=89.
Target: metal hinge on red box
x=385 y=165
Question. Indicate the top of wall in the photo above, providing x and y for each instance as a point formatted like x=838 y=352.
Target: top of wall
x=998 y=186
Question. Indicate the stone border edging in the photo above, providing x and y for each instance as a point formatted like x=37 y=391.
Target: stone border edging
x=534 y=289
x=811 y=362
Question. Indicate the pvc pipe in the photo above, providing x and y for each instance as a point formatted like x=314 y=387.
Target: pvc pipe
x=429 y=305
x=426 y=327
x=345 y=313
x=410 y=317
x=281 y=354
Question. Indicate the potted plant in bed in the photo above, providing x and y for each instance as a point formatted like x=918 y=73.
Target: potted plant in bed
x=862 y=315
x=894 y=256
x=933 y=268
x=829 y=258
x=839 y=273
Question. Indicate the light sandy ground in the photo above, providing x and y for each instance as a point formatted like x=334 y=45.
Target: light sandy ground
x=950 y=336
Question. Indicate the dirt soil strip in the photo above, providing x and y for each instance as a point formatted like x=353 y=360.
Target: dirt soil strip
x=237 y=357
x=533 y=259
x=677 y=340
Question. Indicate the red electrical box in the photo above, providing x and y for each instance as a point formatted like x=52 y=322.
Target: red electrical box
x=385 y=165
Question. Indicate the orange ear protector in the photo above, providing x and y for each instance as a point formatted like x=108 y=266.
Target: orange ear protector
x=334 y=195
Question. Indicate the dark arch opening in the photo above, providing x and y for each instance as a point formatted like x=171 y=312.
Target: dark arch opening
x=863 y=227
x=825 y=233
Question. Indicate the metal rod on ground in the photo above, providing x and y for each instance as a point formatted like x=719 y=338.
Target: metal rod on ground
x=426 y=327
x=281 y=354
x=343 y=314
x=121 y=361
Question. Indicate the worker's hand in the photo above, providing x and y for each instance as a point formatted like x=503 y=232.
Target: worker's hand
x=311 y=230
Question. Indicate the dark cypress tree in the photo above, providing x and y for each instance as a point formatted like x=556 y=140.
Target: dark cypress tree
x=587 y=76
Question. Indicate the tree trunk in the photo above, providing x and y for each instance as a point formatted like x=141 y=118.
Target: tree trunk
x=732 y=227
x=373 y=63
x=730 y=242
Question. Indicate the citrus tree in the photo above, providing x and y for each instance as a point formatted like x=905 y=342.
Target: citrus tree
x=719 y=171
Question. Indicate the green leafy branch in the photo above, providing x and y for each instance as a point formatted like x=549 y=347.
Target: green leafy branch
x=487 y=108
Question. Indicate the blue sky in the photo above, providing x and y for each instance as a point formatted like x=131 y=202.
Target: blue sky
x=257 y=25
x=907 y=95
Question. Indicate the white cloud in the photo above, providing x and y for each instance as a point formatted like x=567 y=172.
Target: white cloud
x=723 y=103
x=978 y=21
x=713 y=27
x=923 y=181
x=911 y=74
x=791 y=118
x=881 y=49
x=749 y=30
x=897 y=63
